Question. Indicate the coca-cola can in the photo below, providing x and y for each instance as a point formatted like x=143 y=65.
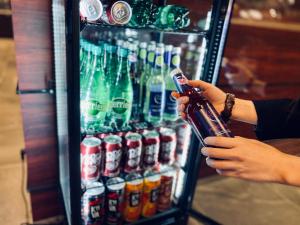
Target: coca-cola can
x=183 y=133
x=133 y=152
x=151 y=144
x=167 y=146
x=92 y=204
x=91 y=10
x=119 y=12
x=115 y=200
x=90 y=155
x=113 y=154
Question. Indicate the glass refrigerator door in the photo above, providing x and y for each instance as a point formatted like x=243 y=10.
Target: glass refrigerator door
x=128 y=156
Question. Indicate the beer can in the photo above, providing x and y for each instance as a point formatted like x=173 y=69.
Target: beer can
x=114 y=200
x=118 y=12
x=92 y=204
x=166 y=189
x=167 y=146
x=150 y=193
x=133 y=197
x=91 y=9
x=133 y=152
x=151 y=144
x=183 y=134
x=90 y=157
x=113 y=154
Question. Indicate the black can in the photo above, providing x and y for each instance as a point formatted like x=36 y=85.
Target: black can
x=92 y=204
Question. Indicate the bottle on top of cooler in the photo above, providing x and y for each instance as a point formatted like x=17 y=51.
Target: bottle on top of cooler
x=170 y=106
x=94 y=99
x=122 y=93
x=153 y=109
x=146 y=74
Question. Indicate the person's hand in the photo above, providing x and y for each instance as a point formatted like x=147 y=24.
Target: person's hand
x=213 y=94
x=245 y=158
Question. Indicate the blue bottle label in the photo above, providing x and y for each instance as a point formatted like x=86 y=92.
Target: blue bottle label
x=170 y=104
x=155 y=106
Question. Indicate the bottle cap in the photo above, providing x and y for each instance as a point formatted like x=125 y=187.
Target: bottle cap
x=91 y=9
x=143 y=45
x=176 y=50
x=175 y=71
x=168 y=48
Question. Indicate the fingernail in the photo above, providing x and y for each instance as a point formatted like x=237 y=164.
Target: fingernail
x=203 y=151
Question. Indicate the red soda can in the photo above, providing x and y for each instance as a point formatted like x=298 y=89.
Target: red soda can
x=113 y=154
x=90 y=154
x=166 y=189
x=151 y=144
x=92 y=204
x=167 y=146
x=133 y=152
x=115 y=200
x=183 y=133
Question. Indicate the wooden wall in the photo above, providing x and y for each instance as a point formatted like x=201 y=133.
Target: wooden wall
x=33 y=41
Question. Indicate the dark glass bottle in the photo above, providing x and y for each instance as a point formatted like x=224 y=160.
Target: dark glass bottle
x=201 y=114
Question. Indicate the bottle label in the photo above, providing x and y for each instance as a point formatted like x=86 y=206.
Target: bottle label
x=155 y=103
x=120 y=105
x=170 y=104
x=159 y=61
x=143 y=54
x=91 y=107
x=175 y=62
x=150 y=57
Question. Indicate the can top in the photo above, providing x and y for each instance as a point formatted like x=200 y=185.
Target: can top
x=167 y=170
x=134 y=179
x=91 y=141
x=150 y=134
x=133 y=136
x=121 y=12
x=167 y=131
x=94 y=188
x=151 y=176
x=91 y=9
x=115 y=183
x=113 y=139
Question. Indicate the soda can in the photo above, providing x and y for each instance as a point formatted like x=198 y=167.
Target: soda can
x=133 y=197
x=104 y=132
x=151 y=144
x=183 y=134
x=115 y=199
x=113 y=154
x=140 y=127
x=167 y=146
x=150 y=193
x=90 y=157
x=166 y=188
x=92 y=204
x=91 y=10
x=118 y=12
x=133 y=152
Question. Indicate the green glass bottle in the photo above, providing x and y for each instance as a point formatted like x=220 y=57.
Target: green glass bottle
x=170 y=106
x=146 y=73
x=143 y=13
x=172 y=17
x=94 y=98
x=121 y=101
x=153 y=109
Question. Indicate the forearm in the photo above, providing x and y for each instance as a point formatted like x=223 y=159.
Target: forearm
x=289 y=170
x=244 y=111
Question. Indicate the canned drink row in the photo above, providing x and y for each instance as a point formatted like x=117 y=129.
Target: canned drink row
x=127 y=199
x=128 y=152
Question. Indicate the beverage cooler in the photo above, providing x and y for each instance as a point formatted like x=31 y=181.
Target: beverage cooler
x=125 y=155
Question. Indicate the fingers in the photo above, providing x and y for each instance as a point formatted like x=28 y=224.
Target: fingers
x=199 y=84
x=175 y=94
x=218 y=153
x=223 y=142
x=221 y=164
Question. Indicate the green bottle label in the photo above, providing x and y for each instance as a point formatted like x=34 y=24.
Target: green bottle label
x=159 y=61
x=91 y=107
x=119 y=105
x=176 y=60
x=143 y=54
x=151 y=56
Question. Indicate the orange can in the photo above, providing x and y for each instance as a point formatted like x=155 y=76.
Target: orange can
x=150 y=193
x=166 y=188
x=133 y=197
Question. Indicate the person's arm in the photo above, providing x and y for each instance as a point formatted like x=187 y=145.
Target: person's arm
x=277 y=118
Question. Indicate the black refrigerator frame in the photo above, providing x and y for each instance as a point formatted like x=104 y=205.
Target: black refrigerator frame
x=69 y=145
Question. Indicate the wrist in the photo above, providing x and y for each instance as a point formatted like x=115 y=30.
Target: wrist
x=244 y=111
x=288 y=170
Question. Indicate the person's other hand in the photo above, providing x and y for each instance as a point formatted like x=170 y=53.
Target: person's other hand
x=213 y=94
x=245 y=158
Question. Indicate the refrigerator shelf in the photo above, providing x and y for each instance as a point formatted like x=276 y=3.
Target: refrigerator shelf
x=100 y=25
